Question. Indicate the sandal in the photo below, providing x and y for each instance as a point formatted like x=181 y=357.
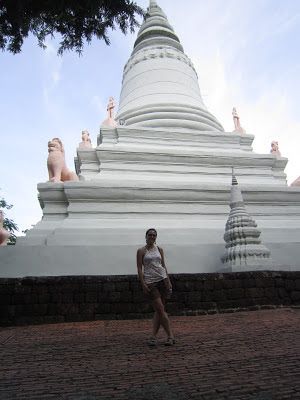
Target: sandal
x=152 y=341
x=169 y=342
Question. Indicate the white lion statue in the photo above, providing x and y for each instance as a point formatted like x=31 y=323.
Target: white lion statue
x=58 y=171
x=275 y=148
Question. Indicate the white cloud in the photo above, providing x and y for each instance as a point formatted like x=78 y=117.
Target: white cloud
x=100 y=105
x=53 y=63
x=52 y=75
x=56 y=76
x=268 y=116
x=50 y=49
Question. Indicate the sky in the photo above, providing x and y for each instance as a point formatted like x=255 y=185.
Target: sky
x=246 y=54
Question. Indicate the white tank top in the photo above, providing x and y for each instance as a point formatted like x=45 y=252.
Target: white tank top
x=153 y=269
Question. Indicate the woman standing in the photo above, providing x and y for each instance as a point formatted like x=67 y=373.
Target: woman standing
x=156 y=284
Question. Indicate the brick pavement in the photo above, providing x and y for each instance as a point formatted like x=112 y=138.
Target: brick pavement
x=246 y=356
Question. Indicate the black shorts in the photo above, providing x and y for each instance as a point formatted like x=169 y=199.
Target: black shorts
x=157 y=289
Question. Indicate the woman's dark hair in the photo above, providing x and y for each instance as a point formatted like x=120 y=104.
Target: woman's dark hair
x=151 y=229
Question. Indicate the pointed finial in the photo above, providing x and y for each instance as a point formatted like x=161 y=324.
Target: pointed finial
x=236 y=120
x=234 y=180
x=152 y=3
x=110 y=120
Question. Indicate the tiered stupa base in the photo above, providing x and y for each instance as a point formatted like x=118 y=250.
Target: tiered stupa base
x=178 y=183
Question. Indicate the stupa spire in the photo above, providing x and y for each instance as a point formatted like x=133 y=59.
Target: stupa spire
x=244 y=250
x=160 y=85
x=152 y=3
x=156 y=30
x=234 y=180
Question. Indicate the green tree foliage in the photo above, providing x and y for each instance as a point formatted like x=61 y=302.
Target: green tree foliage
x=76 y=21
x=8 y=224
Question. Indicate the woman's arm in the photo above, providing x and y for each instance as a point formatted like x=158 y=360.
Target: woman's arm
x=139 y=264
x=164 y=265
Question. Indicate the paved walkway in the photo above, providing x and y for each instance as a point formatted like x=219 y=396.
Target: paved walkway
x=248 y=355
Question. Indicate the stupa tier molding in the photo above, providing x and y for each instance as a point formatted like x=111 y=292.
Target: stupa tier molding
x=76 y=209
x=157 y=53
x=71 y=199
x=99 y=221
x=153 y=155
x=175 y=116
x=207 y=139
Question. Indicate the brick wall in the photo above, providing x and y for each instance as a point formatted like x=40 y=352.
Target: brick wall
x=79 y=298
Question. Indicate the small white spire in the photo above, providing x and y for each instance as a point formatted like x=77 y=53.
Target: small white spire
x=234 y=180
x=243 y=248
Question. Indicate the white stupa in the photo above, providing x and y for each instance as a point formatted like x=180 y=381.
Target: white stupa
x=243 y=249
x=167 y=166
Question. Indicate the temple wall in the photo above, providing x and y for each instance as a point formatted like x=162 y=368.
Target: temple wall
x=119 y=259
x=34 y=300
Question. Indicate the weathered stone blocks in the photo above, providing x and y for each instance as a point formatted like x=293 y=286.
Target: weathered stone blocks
x=80 y=298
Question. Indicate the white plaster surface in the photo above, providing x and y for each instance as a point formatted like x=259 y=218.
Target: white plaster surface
x=160 y=85
x=119 y=259
x=95 y=227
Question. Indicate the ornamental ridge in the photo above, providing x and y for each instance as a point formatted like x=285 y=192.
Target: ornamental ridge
x=152 y=53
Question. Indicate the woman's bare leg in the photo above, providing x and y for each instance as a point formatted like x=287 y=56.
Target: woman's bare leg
x=162 y=316
x=155 y=324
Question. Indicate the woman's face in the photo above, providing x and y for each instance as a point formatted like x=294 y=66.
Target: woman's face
x=151 y=237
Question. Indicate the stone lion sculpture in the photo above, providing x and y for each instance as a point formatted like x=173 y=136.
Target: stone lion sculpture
x=86 y=140
x=275 y=148
x=4 y=235
x=57 y=169
x=296 y=182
